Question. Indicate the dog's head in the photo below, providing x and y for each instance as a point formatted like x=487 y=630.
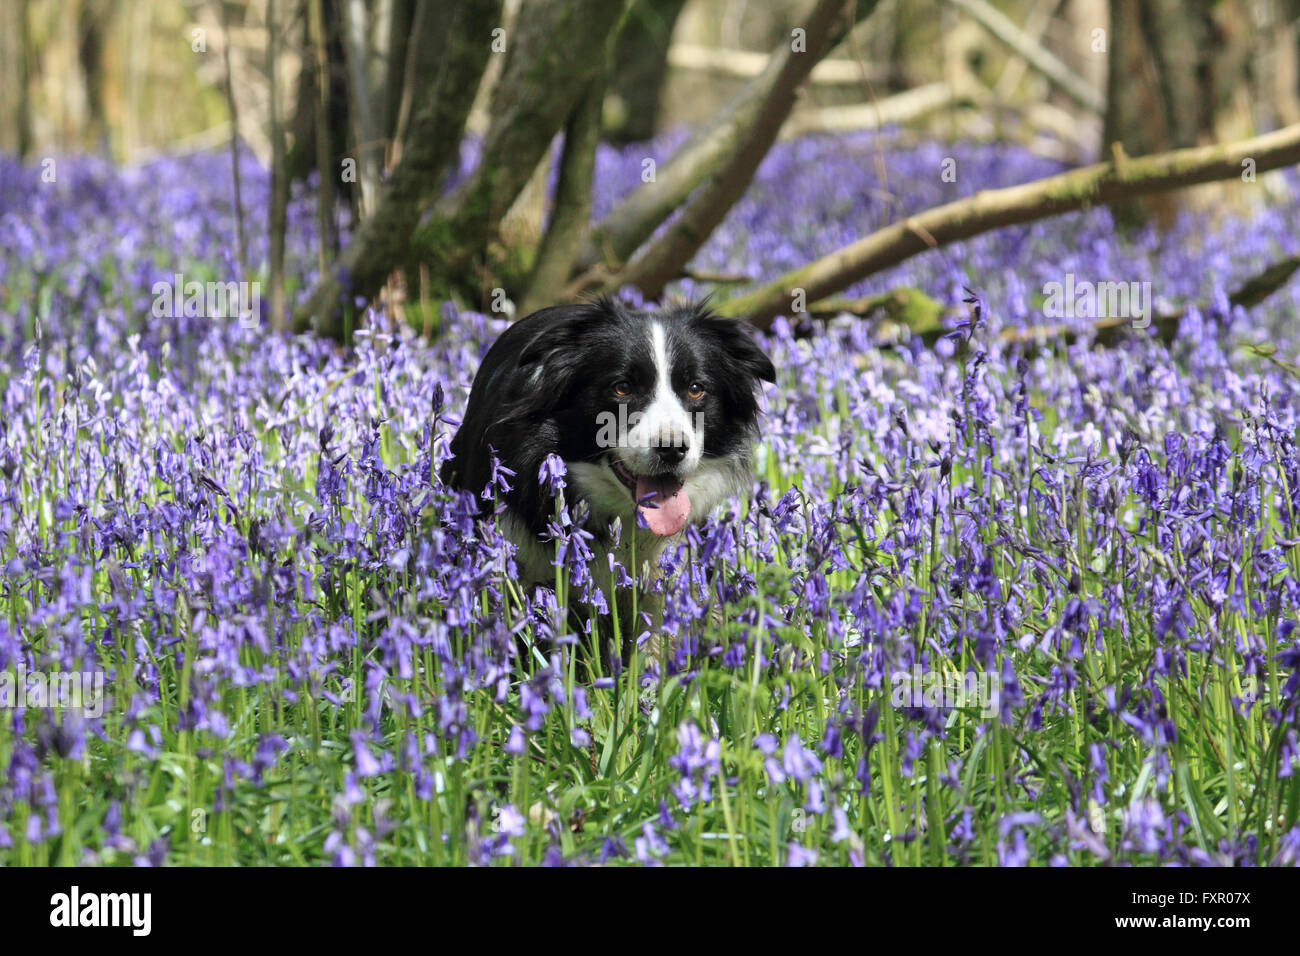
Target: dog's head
x=653 y=412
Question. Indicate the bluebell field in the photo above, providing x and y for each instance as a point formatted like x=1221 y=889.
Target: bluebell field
x=310 y=652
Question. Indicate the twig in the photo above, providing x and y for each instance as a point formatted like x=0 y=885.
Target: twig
x=996 y=23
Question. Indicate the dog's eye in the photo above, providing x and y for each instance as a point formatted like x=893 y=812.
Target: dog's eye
x=695 y=391
x=623 y=388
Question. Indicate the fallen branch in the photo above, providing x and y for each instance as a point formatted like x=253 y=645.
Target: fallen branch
x=717 y=278
x=1120 y=179
x=923 y=316
x=1106 y=331
x=906 y=305
x=1259 y=287
x=1112 y=329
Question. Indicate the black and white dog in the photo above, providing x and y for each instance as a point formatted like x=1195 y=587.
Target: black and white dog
x=653 y=412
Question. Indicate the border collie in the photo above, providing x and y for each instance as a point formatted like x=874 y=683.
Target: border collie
x=653 y=412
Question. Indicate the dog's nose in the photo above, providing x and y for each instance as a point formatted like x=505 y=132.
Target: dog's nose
x=672 y=454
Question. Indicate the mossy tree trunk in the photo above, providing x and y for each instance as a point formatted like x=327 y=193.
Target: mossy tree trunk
x=552 y=56
x=461 y=29
x=571 y=207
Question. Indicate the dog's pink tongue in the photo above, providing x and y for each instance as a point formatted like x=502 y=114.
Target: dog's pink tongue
x=667 y=511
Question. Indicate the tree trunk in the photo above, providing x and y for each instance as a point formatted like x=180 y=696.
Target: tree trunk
x=572 y=205
x=539 y=86
x=241 y=240
x=462 y=29
x=368 y=143
x=94 y=26
x=327 y=166
x=1172 y=67
x=15 y=104
x=278 y=217
x=401 y=29
x=641 y=63
x=304 y=149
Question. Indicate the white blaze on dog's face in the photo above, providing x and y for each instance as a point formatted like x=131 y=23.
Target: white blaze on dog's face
x=683 y=385
x=664 y=446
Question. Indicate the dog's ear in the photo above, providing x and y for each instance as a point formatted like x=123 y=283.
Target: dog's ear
x=554 y=352
x=736 y=339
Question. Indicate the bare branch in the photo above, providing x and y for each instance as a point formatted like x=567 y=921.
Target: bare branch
x=900 y=108
x=708 y=206
x=747 y=64
x=1033 y=53
x=634 y=219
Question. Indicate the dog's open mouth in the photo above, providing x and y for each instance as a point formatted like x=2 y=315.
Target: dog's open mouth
x=660 y=499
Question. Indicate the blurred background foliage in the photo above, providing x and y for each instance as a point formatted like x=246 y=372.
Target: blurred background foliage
x=365 y=86
x=129 y=78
